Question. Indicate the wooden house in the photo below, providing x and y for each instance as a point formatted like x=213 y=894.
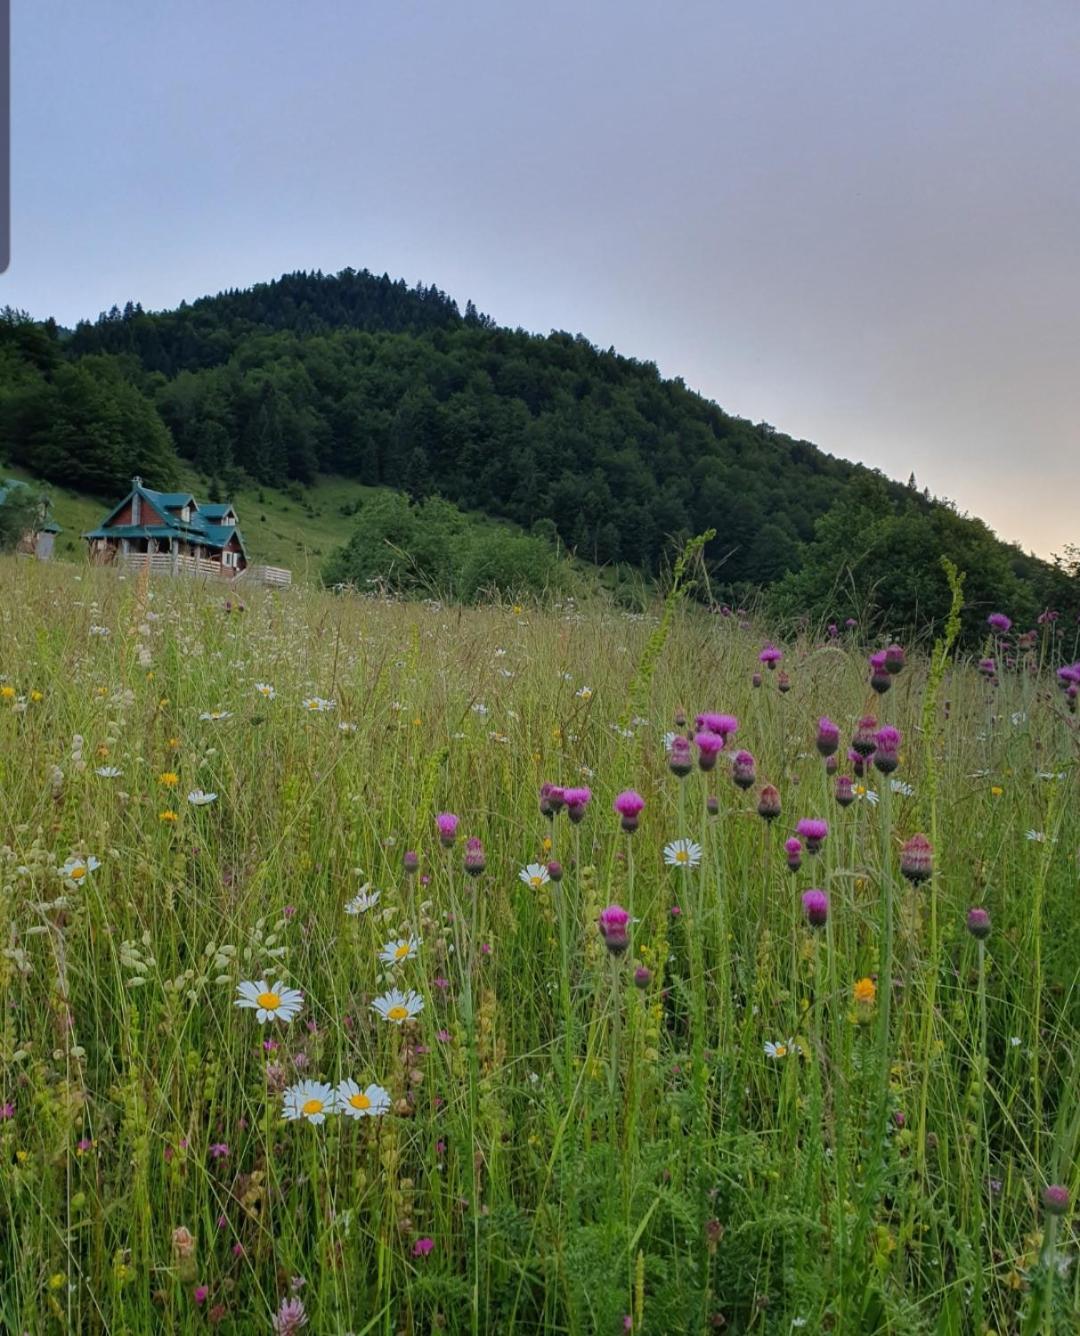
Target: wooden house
x=172 y=532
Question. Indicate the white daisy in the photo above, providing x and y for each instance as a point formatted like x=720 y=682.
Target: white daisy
x=397 y=1006
x=311 y=1100
x=668 y=738
x=1050 y=774
x=1015 y=1041
x=1036 y=835
x=480 y=709
x=197 y=798
x=862 y=792
x=270 y=1004
x=99 y=630
x=584 y=693
x=534 y=875
x=356 y=1103
x=362 y=901
x=898 y=786
x=682 y=853
x=215 y=716
x=108 y=772
x=346 y=727
x=77 y=868
x=317 y=705
x=1018 y=718
x=403 y=948
x=782 y=1049
x=265 y=690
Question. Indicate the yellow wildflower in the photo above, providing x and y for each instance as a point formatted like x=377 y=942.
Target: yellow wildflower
x=865 y=990
x=168 y=816
x=169 y=778
x=37 y=695
x=8 y=692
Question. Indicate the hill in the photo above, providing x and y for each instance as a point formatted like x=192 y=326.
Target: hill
x=367 y=379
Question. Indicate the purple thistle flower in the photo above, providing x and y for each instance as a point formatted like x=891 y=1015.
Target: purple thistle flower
x=629 y=805
x=743 y=770
x=289 y=1318
x=816 y=908
x=577 y=800
x=793 y=851
x=755 y=679
x=845 y=793
x=447 y=823
x=783 y=683
x=813 y=830
x=1056 y=1199
x=552 y=799
x=709 y=746
x=895 y=658
x=887 y=755
x=411 y=861
x=555 y=870
x=828 y=736
x=423 y=1247
x=880 y=678
x=724 y=724
x=712 y=804
x=642 y=977
x=978 y=923
x=613 y=924
x=864 y=740
x=997 y=621
x=770 y=656
x=917 y=859
x=475 y=862
x=679 y=758
x=831 y=765
x=988 y=667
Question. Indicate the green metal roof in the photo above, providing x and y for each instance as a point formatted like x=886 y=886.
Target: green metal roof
x=197 y=529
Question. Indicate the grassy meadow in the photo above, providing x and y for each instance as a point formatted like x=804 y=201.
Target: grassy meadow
x=742 y=1122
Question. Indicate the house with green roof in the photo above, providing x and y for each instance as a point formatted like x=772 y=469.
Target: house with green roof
x=39 y=539
x=173 y=531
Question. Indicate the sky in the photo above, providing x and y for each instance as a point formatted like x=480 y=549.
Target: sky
x=858 y=222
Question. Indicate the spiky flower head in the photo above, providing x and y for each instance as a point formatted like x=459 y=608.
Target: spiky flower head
x=411 y=861
x=845 y=794
x=709 y=746
x=614 y=928
x=831 y=765
x=880 y=678
x=997 y=621
x=813 y=829
x=577 y=800
x=679 y=758
x=289 y=1318
x=446 y=823
x=783 y=683
x=770 y=656
x=793 y=851
x=475 y=861
x=724 y=724
x=769 y=802
x=978 y=923
x=743 y=770
x=642 y=977
x=629 y=805
x=816 y=908
x=828 y=736
x=895 y=659
x=555 y=870
x=1055 y=1199
x=988 y=668
x=551 y=799
x=864 y=739
x=887 y=754
x=712 y=804
x=917 y=859
x=755 y=679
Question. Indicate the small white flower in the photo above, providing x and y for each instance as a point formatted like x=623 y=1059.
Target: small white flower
x=99 y=630
x=584 y=693
x=108 y=772
x=863 y=793
x=979 y=774
x=346 y=727
x=534 y=875
x=682 y=853
x=898 y=786
x=215 y=716
x=668 y=739
x=781 y=1049
x=77 y=868
x=356 y=1103
x=1050 y=774
x=197 y=798
x=1018 y=717
x=362 y=901
x=397 y=1007
x=317 y=705
x=269 y=1004
x=403 y=948
x=480 y=709
x=1014 y=1041
x=1036 y=835
x=265 y=690
x=310 y=1100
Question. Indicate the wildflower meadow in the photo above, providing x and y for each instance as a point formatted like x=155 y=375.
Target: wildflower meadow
x=383 y=967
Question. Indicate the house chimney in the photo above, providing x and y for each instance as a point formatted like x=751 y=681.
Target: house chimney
x=136 y=500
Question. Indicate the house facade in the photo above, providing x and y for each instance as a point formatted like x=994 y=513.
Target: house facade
x=39 y=540
x=173 y=530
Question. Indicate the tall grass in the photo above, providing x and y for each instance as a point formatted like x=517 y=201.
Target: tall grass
x=584 y=1154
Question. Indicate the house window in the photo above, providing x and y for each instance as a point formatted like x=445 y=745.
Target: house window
x=185 y=514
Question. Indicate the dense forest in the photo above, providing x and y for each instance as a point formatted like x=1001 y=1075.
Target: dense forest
x=363 y=376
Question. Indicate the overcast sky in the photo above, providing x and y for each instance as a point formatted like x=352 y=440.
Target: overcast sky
x=860 y=222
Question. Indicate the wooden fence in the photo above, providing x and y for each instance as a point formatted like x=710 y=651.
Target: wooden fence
x=164 y=563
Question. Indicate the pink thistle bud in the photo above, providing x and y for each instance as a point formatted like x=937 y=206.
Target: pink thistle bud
x=864 y=740
x=289 y=1318
x=783 y=683
x=978 y=923
x=679 y=759
x=446 y=823
x=895 y=659
x=988 y=668
x=411 y=861
x=831 y=765
x=709 y=746
x=917 y=859
x=629 y=805
x=475 y=862
x=712 y=804
x=755 y=679
x=828 y=736
x=997 y=621
x=743 y=770
x=680 y=717
x=793 y=850
x=613 y=923
x=642 y=977
x=769 y=802
x=845 y=794
x=813 y=830
x=1056 y=1199
x=887 y=757
x=551 y=799
x=816 y=908
x=555 y=870
x=577 y=800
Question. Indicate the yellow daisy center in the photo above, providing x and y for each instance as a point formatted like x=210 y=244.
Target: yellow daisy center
x=77 y=872
x=360 y=1100
x=401 y=950
x=398 y=1013
x=535 y=880
x=269 y=1002
x=681 y=856
x=781 y=1050
x=310 y=1106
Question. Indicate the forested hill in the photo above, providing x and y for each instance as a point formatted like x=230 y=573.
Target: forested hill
x=361 y=376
